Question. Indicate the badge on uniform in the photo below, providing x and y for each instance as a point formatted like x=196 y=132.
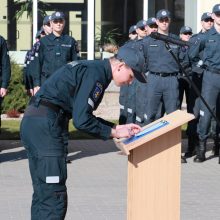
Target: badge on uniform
x=95 y=95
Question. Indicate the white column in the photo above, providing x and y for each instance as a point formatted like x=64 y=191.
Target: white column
x=35 y=9
x=145 y=10
x=90 y=29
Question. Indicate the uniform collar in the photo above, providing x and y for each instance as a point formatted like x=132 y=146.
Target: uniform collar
x=53 y=37
x=212 y=31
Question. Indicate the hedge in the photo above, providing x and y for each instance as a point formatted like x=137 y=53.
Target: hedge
x=16 y=98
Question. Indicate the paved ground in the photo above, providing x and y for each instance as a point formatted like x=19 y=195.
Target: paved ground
x=97 y=184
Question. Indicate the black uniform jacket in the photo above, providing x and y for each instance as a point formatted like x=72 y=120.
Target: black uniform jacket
x=78 y=88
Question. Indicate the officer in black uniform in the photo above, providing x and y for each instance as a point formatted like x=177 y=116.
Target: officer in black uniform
x=56 y=49
x=29 y=63
x=209 y=43
x=151 y=25
x=73 y=91
x=132 y=34
x=29 y=59
x=123 y=96
x=132 y=89
x=184 y=87
x=5 y=71
x=141 y=88
x=46 y=25
x=162 y=79
x=197 y=74
x=27 y=80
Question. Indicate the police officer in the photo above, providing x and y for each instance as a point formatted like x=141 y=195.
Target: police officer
x=151 y=25
x=46 y=24
x=5 y=71
x=141 y=29
x=123 y=96
x=141 y=89
x=163 y=70
x=210 y=44
x=73 y=91
x=185 y=35
x=132 y=89
x=29 y=59
x=56 y=49
x=132 y=34
x=29 y=63
x=206 y=22
x=197 y=74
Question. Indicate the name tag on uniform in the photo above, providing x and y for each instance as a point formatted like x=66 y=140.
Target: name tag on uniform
x=173 y=46
x=153 y=45
x=211 y=41
x=65 y=45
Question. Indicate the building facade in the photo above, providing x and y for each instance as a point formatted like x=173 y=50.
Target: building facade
x=116 y=15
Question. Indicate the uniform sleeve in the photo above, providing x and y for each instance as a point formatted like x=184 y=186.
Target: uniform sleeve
x=74 y=50
x=36 y=64
x=5 y=65
x=25 y=68
x=84 y=104
x=197 y=45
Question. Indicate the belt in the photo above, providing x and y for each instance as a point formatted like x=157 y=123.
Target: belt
x=46 y=103
x=213 y=70
x=165 y=74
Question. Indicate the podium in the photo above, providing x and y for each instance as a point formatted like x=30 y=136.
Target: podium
x=154 y=160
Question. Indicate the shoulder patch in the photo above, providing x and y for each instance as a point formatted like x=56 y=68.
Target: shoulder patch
x=96 y=95
x=97 y=91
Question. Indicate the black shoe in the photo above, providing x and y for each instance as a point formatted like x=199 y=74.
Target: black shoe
x=215 y=151
x=183 y=159
x=189 y=154
x=200 y=152
x=68 y=161
x=198 y=159
x=192 y=143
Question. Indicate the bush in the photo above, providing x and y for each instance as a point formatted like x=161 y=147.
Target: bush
x=16 y=99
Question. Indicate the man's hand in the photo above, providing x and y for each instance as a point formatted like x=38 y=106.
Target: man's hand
x=125 y=131
x=36 y=89
x=3 y=92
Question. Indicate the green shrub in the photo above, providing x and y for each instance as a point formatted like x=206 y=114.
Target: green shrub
x=16 y=99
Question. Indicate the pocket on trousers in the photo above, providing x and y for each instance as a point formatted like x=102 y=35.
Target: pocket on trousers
x=55 y=123
x=52 y=170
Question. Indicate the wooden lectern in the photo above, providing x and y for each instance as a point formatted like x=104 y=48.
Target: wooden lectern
x=154 y=160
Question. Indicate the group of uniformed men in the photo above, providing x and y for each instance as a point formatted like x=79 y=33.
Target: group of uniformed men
x=165 y=87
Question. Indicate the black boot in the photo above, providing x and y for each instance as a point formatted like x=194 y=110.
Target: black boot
x=216 y=146
x=192 y=142
x=200 y=152
x=183 y=159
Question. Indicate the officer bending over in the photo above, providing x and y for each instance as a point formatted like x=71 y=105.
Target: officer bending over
x=74 y=91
